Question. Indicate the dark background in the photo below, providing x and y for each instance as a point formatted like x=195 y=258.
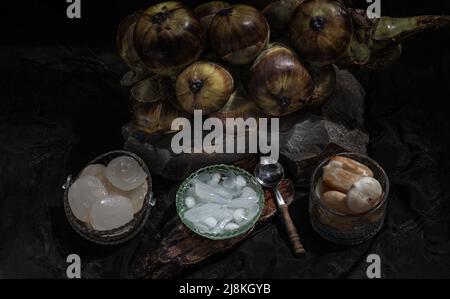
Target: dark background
x=61 y=105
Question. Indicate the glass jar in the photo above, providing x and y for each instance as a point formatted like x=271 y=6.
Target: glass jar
x=120 y=234
x=347 y=229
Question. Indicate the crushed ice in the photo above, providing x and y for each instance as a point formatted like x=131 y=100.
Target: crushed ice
x=217 y=202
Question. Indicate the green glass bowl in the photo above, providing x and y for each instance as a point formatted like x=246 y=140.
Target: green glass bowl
x=224 y=169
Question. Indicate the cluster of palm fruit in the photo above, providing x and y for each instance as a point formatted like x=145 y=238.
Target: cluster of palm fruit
x=237 y=61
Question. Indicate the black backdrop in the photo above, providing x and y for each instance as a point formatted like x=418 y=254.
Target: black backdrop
x=46 y=22
x=61 y=105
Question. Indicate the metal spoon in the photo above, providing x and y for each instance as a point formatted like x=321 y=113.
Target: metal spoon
x=269 y=174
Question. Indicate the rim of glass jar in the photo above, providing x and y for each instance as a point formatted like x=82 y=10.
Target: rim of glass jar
x=140 y=99
x=351 y=154
x=118 y=232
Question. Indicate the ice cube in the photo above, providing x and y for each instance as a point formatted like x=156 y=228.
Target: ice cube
x=200 y=212
x=215 y=179
x=229 y=184
x=213 y=194
x=227 y=216
x=203 y=177
x=248 y=192
x=241 y=181
x=191 y=192
x=125 y=173
x=239 y=215
x=231 y=226
x=189 y=202
x=202 y=227
x=229 y=181
x=211 y=222
x=136 y=196
x=242 y=202
x=83 y=193
x=111 y=212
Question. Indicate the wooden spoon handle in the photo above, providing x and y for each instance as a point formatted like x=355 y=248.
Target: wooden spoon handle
x=291 y=231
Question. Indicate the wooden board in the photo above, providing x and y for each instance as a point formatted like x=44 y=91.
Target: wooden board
x=180 y=248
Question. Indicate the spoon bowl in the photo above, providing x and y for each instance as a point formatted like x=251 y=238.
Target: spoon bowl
x=269 y=174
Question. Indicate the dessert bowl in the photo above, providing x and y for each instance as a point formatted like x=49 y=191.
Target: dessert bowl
x=120 y=234
x=243 y=217
x=339 y=226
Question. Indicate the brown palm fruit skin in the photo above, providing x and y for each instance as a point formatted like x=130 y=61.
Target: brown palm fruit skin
x=321 y=30
x=237 y=34
x=325 y=85
x=278 y=14
x=151 y=105
x=124 y=40
x=168 y=37
x=279 y=82
x=205 y=86
x=206 y=12
x=240 y=105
